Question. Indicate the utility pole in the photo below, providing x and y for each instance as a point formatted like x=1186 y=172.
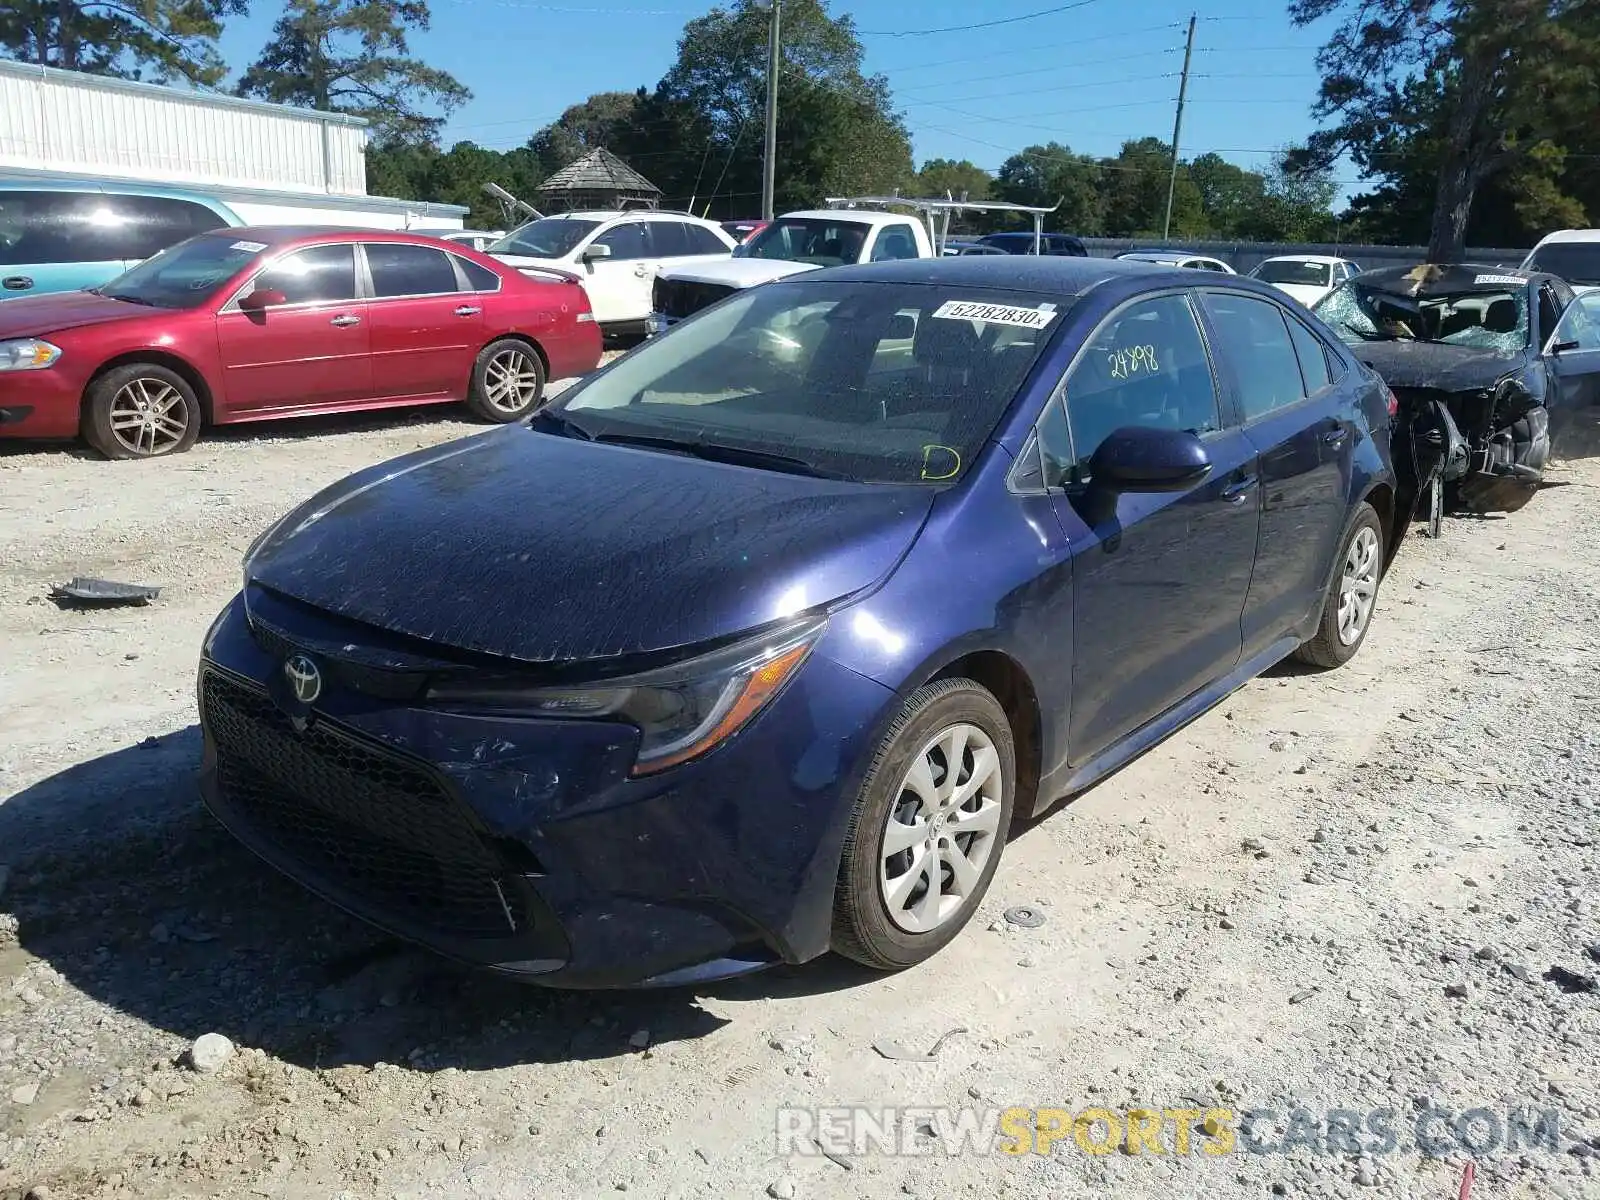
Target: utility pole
x=1177 y=126
x=769 y=162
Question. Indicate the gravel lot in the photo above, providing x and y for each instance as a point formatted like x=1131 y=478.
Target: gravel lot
x=1371 y=889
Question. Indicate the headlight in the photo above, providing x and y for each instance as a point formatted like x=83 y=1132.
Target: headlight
x=682 y=711
x=27 y=354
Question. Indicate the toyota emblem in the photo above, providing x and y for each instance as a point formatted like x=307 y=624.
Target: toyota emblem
x=305 y=681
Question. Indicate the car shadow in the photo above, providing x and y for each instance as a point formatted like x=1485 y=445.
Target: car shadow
x=124 y=884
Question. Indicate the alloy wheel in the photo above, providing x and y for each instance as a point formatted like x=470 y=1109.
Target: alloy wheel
x=149 y=416
x=943 y=826
x=511 y=380
x=1358 y=585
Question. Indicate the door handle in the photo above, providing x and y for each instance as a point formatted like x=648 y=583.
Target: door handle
x=468 y=310
x=641 y=270
x=1239 y=489
x=16 y=283
x=1336 y=436
x=345 y=320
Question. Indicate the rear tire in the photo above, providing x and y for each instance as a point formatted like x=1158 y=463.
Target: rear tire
x=507 y=381
x=141 y=410
x=933 y=812
x=1352 y=594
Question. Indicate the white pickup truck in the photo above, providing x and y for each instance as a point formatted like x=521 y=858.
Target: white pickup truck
x=811 y=239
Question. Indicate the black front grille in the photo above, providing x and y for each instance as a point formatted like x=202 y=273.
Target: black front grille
x=679 y=298
x=365 y=820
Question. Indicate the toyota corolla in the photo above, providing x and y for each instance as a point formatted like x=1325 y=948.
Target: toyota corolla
x=753 y=644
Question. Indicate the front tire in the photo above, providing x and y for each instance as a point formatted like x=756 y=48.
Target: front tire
x=1352 y=594
x=141 y=410
x=929 y=826
x=507 y=381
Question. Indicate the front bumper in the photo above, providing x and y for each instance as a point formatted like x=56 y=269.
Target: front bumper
x=523 y=845
x=39 y=404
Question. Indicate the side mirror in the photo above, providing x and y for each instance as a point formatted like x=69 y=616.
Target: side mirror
x=262 y=298
x=1137 y=458
x=902 y=327
x=595 y=252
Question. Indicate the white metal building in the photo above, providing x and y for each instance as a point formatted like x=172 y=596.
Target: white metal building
x=270 y=163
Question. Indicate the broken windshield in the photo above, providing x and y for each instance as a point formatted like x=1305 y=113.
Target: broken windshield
x=1480 y=319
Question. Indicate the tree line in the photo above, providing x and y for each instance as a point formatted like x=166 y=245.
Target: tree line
x=1471 y=120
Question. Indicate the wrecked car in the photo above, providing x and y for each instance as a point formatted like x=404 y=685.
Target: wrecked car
x=1494 y=368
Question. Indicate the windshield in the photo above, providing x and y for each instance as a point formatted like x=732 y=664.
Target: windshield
x=185 y=275
x=1294 y=271
x=874 y=382
x=1482 y=319
x=1576 y=262
x=809 y=240
x=548 y=237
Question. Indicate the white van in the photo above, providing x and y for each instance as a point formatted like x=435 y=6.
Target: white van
x=1573 y=254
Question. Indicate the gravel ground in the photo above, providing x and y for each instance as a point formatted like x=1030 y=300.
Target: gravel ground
x=1365 y=890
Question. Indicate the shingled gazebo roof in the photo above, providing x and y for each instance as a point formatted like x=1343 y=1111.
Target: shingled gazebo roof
x=600 y=171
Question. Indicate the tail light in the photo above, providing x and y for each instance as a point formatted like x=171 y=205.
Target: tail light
x=1394 y=401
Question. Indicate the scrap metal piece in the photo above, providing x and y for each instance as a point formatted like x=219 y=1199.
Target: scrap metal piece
x=97 y=592
x=1024 y=916
x=897 y=1052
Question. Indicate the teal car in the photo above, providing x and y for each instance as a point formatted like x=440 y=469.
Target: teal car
x=62 y=236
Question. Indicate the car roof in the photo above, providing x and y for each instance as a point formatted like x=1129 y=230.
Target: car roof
x=1062 y=275
x=632 y=214
x=1026 y=233
x=1326 y=260
x=1571 y=235
x=1165 y=256
x=282 y=235
x=109 y=187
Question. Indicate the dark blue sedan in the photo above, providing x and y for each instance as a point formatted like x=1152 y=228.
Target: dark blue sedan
x=754 y=644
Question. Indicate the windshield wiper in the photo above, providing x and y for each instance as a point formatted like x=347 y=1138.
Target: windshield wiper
x=130 y=299
x=564 y=423
x=720 y=452
x=1365 y=336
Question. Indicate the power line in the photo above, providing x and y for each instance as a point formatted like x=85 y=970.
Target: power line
x=1043 y=12
x=1014 y=50
x=1065 y=87
x=946 y=83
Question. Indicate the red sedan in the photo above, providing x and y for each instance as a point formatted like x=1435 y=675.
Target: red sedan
x=255 y=323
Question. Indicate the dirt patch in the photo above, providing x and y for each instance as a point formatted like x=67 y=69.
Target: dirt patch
x=1335 y=891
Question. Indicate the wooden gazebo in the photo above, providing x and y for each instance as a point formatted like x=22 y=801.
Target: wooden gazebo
x=598 y=180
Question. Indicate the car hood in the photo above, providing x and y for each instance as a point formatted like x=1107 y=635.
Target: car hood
x=542 y=548
x=737 y=272
x=1435 y=365
x=1307 y=293
x=34 y=316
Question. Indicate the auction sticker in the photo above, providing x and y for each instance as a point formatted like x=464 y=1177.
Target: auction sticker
x=249 y=247
x=997 y=314
x=1503 y=279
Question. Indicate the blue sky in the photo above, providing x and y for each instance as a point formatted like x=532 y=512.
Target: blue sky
x=1091 y=77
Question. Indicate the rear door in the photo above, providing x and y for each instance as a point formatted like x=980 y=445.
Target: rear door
x=1573 y=353
x=426 y=329
x=1303 y=426
x=311 y=351
x=1159 y=586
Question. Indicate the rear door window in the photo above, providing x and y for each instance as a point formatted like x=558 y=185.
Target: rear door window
x=1313 y=357
x=702 y=241
x=399 y=269
x=1256 y=340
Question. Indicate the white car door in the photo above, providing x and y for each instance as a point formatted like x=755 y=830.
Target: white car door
x=619 y=285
